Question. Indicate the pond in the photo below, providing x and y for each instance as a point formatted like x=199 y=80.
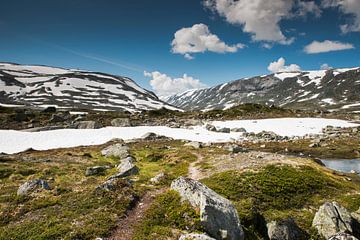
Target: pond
x=343 y=165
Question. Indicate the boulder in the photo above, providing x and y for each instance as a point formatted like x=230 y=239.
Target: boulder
x=114 y=184
x=96 y=170
x=241 y=130
x=150 y=136
x=331 y=218
x=55 y=118
x=343 y=236
x=117 y=150
x=224 y=130
x=218 y=215
x=87 y=125
x=126 y=168
x=195 y=236
x=210 y=127
x=195 y=145
x=121 y=122
x=285 y=230
x=32 y=186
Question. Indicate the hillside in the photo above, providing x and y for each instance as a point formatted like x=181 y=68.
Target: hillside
x=41 y=86
x=334 y=90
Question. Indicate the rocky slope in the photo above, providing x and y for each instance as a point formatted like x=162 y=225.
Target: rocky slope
x=41 y=86
x=335 y=90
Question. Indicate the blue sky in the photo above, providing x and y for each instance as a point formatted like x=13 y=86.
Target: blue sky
x=129 y=37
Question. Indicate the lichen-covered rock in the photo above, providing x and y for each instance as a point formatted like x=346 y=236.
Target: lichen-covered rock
x=96 y=170
x=32 y=186
x=126 y=168
x=217 y=214
x=117 y=150
x=284 y=230
x=87 y=125
x=331 y=218
x=195 y=236
x=343 y=236
x=121 y=122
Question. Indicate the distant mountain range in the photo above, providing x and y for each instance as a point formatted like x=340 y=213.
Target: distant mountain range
x=42 y=86
x=333 y=90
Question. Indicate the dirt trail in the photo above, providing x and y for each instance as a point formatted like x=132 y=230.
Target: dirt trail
x=126 y=225
x=194 y=171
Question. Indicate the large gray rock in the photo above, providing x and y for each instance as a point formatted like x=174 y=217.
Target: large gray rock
x=121 y=122
x=343 y=236
x=217 y=214
x=195 y=236
x=331 y=218
x=118 y=150
x=126 y=168
x=87 y=125
x=96 y=170
x=31 y=186
x=284 y=230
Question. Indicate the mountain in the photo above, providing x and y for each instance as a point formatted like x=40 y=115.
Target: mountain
x=333 y=90
x=42 y=86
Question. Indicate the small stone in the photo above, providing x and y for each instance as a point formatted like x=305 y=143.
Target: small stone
x=117 y=150
x=195 y=145
x=96 y=170
x=195 y=236
x=158 y=178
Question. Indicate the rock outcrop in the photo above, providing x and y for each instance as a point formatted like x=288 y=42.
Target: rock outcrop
x=285 y=230
x=217 y=214
x=331 y=218
x=31 y=186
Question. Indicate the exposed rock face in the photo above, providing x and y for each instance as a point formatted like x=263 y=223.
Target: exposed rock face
x=31 y=186
x=121 y=122
x=332 y=219
x=126 y=168
x=217 y=214
x=195 y=236
x=343 y=236
x=284 y=230
x=97 y=170
x=118 y=150
x=87 y=125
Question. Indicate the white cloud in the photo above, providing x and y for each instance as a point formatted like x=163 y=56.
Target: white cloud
x=165 y=86
x=279 y=66
x=198 y=39
x=326 y=46
x=325 y=66
x=261 y=18
x=350 y=7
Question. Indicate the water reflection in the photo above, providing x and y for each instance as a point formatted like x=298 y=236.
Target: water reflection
x=343 y=165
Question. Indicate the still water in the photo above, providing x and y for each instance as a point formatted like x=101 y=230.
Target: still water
x=343 y=165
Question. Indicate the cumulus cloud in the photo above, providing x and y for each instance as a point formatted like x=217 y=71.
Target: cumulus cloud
x=261 y=18
x=325 y=66
x=350 y=7
x=279 y=66
x=326 y=46
x=198 y=39
x=165 y=86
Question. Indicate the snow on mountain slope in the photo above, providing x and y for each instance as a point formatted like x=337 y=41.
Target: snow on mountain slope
x=334 y=90
x=41 y=86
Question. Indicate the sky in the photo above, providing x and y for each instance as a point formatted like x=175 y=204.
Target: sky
x=169 y=46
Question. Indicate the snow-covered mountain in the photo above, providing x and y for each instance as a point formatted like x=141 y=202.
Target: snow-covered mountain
x=42 y=86
x=334 y=90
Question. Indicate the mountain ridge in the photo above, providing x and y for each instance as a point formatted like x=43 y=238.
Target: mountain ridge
x=43 y=86
x=333 y=89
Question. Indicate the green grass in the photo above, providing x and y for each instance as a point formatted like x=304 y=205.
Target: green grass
x=165 y=214
x=279 y=192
